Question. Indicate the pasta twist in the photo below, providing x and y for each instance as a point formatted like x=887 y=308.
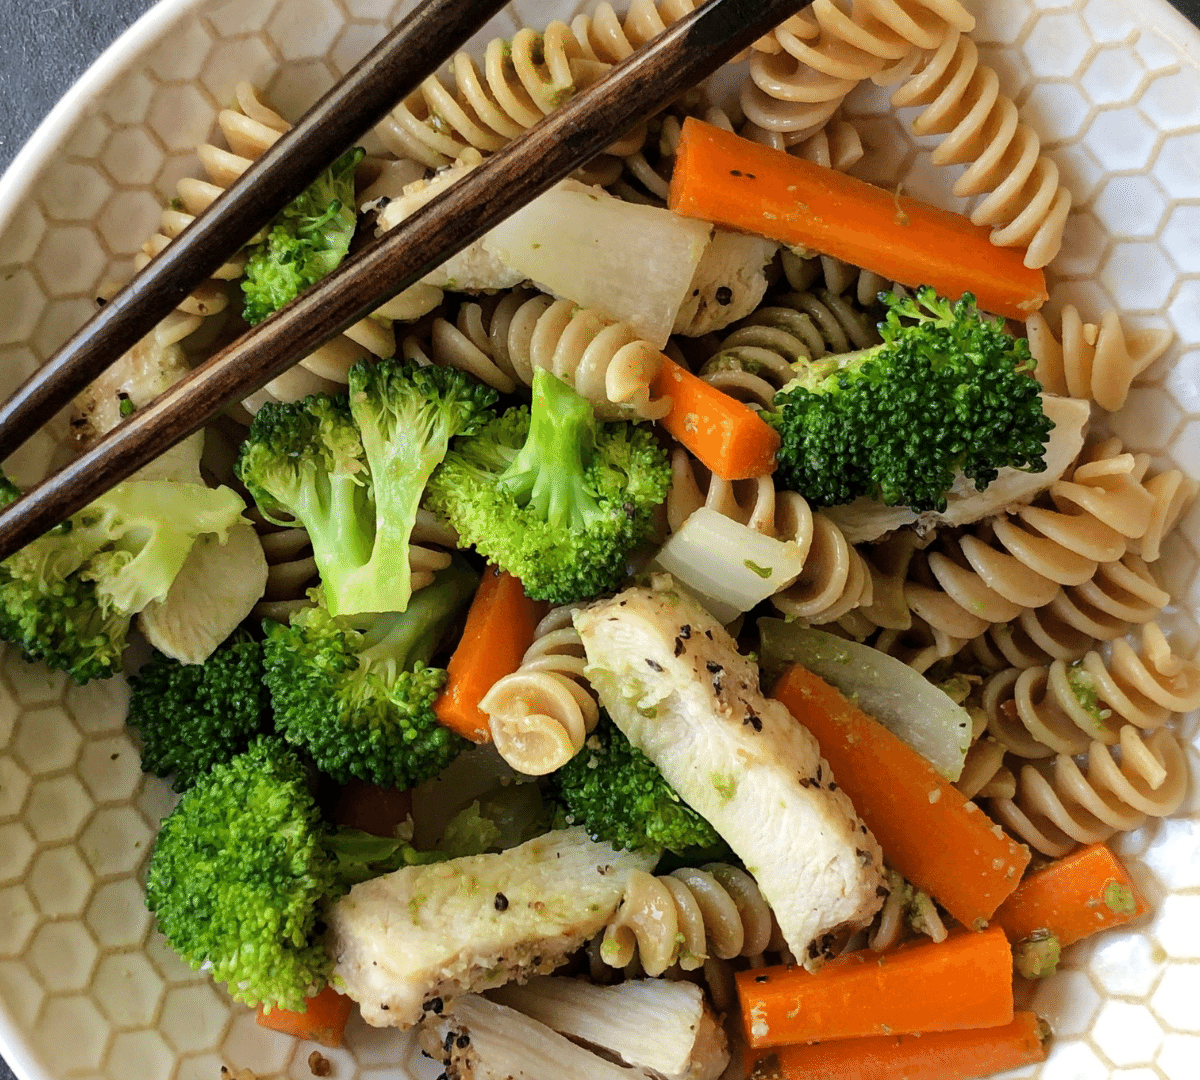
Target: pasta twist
x=1023 y=199
x=1061 y=804
x=801 y=75
x=542 y=713
x=1098 y=363
x=502 y=341
x=686 y=917
x=834 y=578
x=984 y=774
x=905 y=907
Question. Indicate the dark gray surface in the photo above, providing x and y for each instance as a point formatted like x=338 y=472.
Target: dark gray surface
x=45 y=45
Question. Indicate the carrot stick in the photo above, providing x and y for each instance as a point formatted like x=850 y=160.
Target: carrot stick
x=499 y=629
x=324 y=1021
x=929 y=832
x=729 y=437
x=960 y=983
x=1072 y=898
x=731 y=181
x=939 y=1055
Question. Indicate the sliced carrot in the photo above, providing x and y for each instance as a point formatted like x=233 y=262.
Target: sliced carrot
x=939 y=1055
x=960 y=983
x=731 y=181
x=499 y=629
x=370 y=808
x=323 y=1021
x=1072 y=898
x=945 y=845
x=728 y=436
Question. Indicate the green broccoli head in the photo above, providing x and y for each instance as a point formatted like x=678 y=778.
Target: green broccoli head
x=947 y=391
x=356 y=692
x=192 y=717
x=68 y=597
x=552 y=497
x=352 y=469
x=239 y=872
x=617 y=793
x=307 y=240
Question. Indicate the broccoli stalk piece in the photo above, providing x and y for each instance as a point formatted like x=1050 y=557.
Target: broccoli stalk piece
x=243 y=867
x=552 y=497
x=193 y=716
x=68 y=597
x=308 y=239
x=357 y=693
x=947 y=391
x=617 y=794
x=352 y=471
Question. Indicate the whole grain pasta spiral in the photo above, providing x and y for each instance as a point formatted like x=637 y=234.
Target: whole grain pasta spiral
x=686 y=917
x=1061 y=804
x=1023 y=199
x=541 y=714
x=502 y=341
x=984 y=773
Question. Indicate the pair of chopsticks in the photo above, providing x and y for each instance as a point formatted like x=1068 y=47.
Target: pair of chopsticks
x=688 y=51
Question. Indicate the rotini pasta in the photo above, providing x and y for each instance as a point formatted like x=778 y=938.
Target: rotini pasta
x=984 y=774
x=686 y=917
x=501 y=341
x=1023 y=199
x=1061 y=804
x=1098 y=363
x=821 y=54
x=542 y=713
x=905 y=907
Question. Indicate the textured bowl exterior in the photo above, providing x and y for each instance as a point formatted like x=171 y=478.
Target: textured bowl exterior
x=87 y=986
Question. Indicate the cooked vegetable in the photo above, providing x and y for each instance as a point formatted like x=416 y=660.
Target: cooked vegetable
x=905 y=703
x=552 y=497
x=308 y=239
x=617 y=793
x=357 y=692
x=193 y=716
x=947 y=392
x=352 y=471
x=727 y=436
x=1071 y=898
x=507 y=815
x=943 y=844
x=731 y=181
x=937 y=1055
x=961 y=983
x=68 y=597
x=499 y=629
x=322 y=1021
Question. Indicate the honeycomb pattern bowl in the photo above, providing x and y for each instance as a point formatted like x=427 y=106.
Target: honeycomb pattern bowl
x=87 y=987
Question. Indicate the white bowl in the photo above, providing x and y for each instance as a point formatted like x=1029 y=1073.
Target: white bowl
x=87 y=986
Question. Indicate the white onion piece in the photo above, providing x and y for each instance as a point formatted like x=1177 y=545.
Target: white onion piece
x=904 y=702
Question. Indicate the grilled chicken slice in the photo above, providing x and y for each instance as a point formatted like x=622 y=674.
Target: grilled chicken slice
x=659 y=1025
x=672 y=680
x=405 y=943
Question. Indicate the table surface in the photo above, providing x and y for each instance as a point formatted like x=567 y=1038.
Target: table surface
x=50 y=43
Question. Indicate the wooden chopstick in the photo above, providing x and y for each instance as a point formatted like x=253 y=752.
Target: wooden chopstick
x=411 y=52
x=512 y=177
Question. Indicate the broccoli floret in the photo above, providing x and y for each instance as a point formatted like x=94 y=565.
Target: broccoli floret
x=617 y=793
x=68 y=597
x=947 y=391
x=552 y=497
x=352 y=469
x=194 y=716
x=242 y=868
x=308 y=239
x=357 y=692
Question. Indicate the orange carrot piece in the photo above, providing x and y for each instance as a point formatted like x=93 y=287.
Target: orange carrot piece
x=370 y=808
x=499 y=629
x=938 y=840
x=1072 y=898
x=324 y=1021
x=728 y=436
x=938 y=1055
x=960 y=983
x=730 y=181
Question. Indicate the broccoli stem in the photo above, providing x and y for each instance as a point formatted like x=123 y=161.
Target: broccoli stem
x=548 y=473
